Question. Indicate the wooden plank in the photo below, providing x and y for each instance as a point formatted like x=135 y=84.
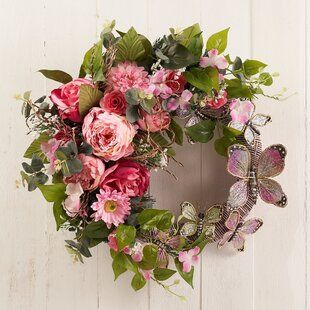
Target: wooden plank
x=70 y=31
x=280 y=248
x=227 y=276
x=119 y=294
x=23 y=220
x=168 y=192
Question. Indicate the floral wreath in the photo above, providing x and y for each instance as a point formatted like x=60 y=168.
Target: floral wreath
x=102 y=133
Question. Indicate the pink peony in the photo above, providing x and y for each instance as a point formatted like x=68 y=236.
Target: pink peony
x=241 y=110
x=127 y=75
x=182 y=101
x=127 y=177
x=49 y=148
x=114 y=101
x=112 y=207
x=218 y=101
x=72 y=203
x=91 y=175
x=109 y=134
x=189 y=258
x=158 y=120
x=214 y=60
x=66 y=98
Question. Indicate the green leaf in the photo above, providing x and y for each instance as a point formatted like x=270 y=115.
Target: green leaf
x=57 y=75
x=132 y=96
x=236 y=89
x=54 y=192
x=97 y=230
x=74 y=166
x=81 y=247
x=177 y=56
x=159 y=139
x=191 y=38
x=93 y=63
x=203 y=79
x=35 y=147
x=162 y=274
x=27 y=168
x=231 y=132
x=252 y=67
x=60 y=214
x=88 y=98
x=148 y=104
x=125 y=261
x=118 y=269
x=201 y=132
x=149 y=257
x=130 y=47
x=218 y=41
x=178 y=132
x=154 y=218
x=132 y=113
x=221 y=145
x=187 y=276
x=265 y=79
x=36 y=163
x=138 y=281
x=125 y=235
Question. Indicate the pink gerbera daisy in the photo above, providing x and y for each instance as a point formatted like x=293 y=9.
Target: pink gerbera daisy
x=111 y=206
x=128 y=75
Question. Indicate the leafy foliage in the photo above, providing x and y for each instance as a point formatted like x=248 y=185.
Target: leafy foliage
x=57 y=75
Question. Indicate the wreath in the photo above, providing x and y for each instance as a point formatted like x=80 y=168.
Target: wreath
x=99 y=136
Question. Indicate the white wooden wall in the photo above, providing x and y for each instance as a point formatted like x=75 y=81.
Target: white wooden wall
x=35 y=271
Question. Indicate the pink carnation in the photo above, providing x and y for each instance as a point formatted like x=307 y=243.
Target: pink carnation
x=91 y=174
x=109 y=134
x=127 y=75
x=66 y=99
x=112 y=207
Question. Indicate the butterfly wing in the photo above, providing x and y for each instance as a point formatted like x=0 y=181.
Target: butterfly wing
x=174 y=242
x=226 y=237
x=239 y=161
x=162 y=258
x=236 y=125
x=233 y=220
x=238 y=241
x=271 y=192
x=214 y=214
x=188 y=229
x=251 y=226
x=260 y=120
x=271 y=162
x=188 y=211
x=249 y=135
x=238 y=194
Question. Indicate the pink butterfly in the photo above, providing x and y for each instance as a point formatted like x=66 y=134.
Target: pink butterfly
x=238 y=230
x=253 y=178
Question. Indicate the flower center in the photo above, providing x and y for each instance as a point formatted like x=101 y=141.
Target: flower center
x=110 y=206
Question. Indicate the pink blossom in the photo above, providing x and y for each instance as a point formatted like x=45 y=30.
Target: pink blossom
x=66 y=99
x=241 y=110
x=158 y=84
x=189 y=258
x=182 y=101
x=112 y=242
x=128 y=177
x=109 y=134
x=72 y=203
x=214 y=60
x=49 y=148
x=91 y=174
x=146 y=274
x=111 y=206
x=127 y=75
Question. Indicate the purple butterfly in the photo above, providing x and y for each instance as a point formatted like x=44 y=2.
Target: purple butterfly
x=255 y=178
x=238 y=230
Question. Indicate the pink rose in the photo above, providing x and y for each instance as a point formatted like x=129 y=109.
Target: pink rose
x=114 y=101
x=127 y=177
x=109 y=134
x=66 y=98
x=176 y=81
x=158 y=120
x=91 y=174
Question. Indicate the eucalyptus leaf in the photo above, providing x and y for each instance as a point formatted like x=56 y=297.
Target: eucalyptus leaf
x=132 y=113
